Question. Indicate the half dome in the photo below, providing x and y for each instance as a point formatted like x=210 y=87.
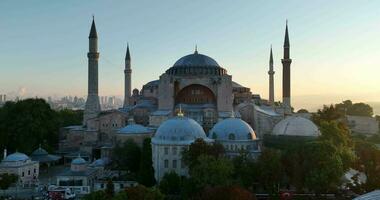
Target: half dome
x=296 y=126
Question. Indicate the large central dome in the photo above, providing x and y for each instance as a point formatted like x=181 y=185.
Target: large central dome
x=196 y=64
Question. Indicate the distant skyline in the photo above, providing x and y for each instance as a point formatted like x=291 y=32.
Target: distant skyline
x=335 y=45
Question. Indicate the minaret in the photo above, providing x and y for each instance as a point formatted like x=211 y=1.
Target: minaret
x=92 y=108
x=286 y=61
x=127 y=78
x=271 y=79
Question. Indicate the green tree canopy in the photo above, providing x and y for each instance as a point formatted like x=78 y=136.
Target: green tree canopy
x=170 y=184
x=141 y=192
x=323 y=166
x=356 y=109
x=211 y=171
x=127 y=156
x=200 y=147
x=227 y=193
x=270 y=170
x=146 y=171
x=26 y=124
x=6 y=180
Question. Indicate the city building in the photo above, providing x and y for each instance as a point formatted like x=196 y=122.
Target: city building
x=171 y=138
x=21 y=165
x=363 y=125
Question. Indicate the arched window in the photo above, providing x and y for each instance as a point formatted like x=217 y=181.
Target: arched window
x=231 y=136
x=249 y=136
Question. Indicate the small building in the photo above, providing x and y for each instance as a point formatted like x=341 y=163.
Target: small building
x=363 y=125
x=171 y=138
x=79 y=178
x=43 y=157
x=237 y=137
x=117 y=185
x=136 y=132
x=21 y=165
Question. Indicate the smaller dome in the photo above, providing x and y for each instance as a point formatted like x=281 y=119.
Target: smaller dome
x=179 y=130
x=15 y=157
x=40 y=152
x=232 y=129
x=79 y=161
x=296 y=126
x=134 y=129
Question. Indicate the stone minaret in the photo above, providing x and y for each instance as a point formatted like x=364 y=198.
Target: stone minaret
x=271 y=79
x=92 y=108
x=286 y=61
x=127 y=78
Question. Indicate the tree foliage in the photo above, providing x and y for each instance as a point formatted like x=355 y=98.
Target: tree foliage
x=200 y=147
x=227 y=193
x=142 y=192
x=146 y=171
x=127 y=156
x=110 y=189
x=211 y=171
x=356 y=109
x=6 y=180
x=27 y=123
x=270 y=169
x=170 y=184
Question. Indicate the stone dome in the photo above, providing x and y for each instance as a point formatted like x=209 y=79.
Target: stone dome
x=134 y=129
x=179 y=130
x=232 y=129
x=296 y=126
x=79 y=161
x=39 y=152
x=16 y=157
x=196 y=64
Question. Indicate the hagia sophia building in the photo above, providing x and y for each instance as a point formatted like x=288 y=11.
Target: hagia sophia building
x=195 y=98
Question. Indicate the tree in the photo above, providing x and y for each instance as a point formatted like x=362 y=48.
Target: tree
x=127 y=156
x=97 y=195
x=69 y=117
x=200 y=147
x=356 y=109
x=227 y=193
x=211 y=171
x=146 y=171
x=6 y=180
x=302 y=110
x=270 y=169
x=110 y=190
x=327 y=113
x=142 y=192
x=170 y=184
x=339 y=136
x=323 y=166
x=368 y=162
x=245 y=170
x=26 y=124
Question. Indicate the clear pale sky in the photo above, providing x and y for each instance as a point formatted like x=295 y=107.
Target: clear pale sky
x=335 y=45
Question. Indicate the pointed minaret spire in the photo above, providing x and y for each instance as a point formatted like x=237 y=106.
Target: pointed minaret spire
x=92 y=107
x=127 y=55
x=271 y=78
x=93 y=33
x=196 y=49
x=127 y=78
x=286 y=61
x=286 y=41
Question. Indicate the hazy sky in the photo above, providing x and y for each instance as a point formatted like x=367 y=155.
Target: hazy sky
x=335 y=45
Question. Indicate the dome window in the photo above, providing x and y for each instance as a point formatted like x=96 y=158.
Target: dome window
x=231 y=136
x=249 y=136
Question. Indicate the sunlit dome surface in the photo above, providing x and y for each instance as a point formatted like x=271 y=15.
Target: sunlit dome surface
x=296 y=126
x=79 y=161
x=196 y=64
x=134 y=129
x=15 y=157
x=179 y=130
x=232 y=129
